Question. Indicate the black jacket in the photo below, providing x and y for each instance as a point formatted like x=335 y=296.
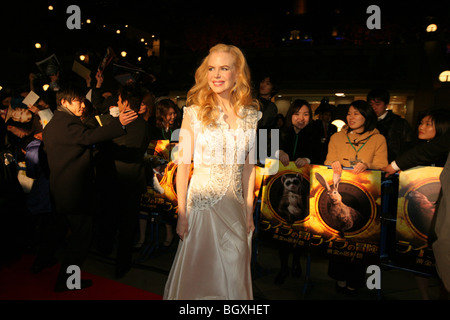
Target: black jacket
x=68 y=148
x=128 y=154
x=269 y=114
x=398 y=133
x=425 y=153
x=323 y=140
x=304 y=144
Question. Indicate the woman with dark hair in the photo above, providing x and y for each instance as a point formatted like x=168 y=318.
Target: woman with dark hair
x=165 y=119
x=298 y=144
x=359 y=144
x=432 y=124
x=423 y=154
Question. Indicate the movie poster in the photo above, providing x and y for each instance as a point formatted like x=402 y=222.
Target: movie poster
x=161 y=194
x=418 y=192
x=344 y=216
x=284 y=203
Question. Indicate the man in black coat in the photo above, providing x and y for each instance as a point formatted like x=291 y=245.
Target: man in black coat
x=129 y=178
x=68 y=147
x=397 y=131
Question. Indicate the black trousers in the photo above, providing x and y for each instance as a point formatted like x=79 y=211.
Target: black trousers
x=129 y=206
x=116 y=222
x=284 y=251
x=74 y=231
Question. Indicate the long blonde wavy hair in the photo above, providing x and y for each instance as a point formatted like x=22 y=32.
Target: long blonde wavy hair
x=241 y=95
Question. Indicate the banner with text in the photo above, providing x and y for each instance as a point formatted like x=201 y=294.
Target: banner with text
x=284 y=203
x=418 y=192
x=344 y=215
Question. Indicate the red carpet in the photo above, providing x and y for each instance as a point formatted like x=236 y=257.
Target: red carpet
x=18 y=283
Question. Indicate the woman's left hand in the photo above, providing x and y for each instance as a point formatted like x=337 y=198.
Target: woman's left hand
x=337 y=167
x=300 y=162
x=360 y=167
x=182 y=226
x=250 y=223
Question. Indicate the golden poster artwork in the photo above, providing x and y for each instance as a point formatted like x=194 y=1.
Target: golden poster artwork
x=285 y=202
x=418 y=193
x=346 y=205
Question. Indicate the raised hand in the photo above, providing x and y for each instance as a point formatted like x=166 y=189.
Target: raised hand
x=127 y=116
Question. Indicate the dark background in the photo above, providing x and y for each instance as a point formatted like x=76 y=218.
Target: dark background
x=335 y=49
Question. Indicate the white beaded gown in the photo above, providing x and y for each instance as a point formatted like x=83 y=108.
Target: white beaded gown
x=213 y=261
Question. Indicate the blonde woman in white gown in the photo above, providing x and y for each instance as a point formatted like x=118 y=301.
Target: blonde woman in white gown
x=215 y=208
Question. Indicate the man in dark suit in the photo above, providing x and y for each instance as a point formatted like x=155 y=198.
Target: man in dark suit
x=68 y=147
x=128 y=154
x=397 y=131
x=399 y=138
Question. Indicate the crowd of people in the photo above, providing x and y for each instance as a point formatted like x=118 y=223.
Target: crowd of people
x=81 y=148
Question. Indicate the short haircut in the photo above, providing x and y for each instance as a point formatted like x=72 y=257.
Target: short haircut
x=367 y=112
x=379 y=94
x=273 y=80
x=294 y=107
x=440 y=118
x=70 y=93
x=132 y=93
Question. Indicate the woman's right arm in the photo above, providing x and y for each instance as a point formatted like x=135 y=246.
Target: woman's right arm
x=284 y=158
x=333 y=156
x=185 y=151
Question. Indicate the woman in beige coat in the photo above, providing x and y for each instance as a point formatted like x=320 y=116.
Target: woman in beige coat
x=361 y=146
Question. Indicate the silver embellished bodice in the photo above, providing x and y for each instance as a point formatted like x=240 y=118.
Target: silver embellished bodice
x=219 y=156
